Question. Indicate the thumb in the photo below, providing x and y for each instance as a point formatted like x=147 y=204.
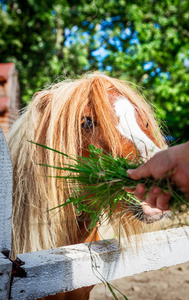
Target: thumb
x=141 y=172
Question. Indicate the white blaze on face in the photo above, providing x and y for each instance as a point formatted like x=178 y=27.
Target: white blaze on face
x=129 y=128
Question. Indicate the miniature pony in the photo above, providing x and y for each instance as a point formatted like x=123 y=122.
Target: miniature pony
x=68 y=117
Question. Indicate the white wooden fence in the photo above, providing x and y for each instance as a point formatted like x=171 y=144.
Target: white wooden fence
x=67 y=268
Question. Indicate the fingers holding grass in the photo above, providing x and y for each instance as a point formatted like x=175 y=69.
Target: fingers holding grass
x=155 y=198
x=158 y=198
x=152 y=196
x=140 y=191
x=162 y=201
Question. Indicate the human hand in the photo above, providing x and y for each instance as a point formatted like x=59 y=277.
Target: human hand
x=172 y=163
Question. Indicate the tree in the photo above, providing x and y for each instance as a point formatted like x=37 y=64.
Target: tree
x=145 y=42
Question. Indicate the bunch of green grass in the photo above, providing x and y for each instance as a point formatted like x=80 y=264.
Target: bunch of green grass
x=101 y=180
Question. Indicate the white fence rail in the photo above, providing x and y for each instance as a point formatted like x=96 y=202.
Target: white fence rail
x=67 y=268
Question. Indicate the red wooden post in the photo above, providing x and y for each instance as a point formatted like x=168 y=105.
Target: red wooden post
x=9 y=96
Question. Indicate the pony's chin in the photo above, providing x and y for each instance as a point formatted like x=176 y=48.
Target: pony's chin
x=144 y=213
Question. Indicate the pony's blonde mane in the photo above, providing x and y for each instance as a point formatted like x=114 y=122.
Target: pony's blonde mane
x=53 y=118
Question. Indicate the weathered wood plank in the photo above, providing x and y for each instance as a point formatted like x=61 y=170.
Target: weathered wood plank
x=5 y=195
x=5 y=277
x=67 y=268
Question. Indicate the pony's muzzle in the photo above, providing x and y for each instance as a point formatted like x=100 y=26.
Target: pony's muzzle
x=147 y=214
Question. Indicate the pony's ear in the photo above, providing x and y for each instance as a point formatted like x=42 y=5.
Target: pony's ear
x=42 y=100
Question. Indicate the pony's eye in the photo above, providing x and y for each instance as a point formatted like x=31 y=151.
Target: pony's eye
x=147 y=125
x=88 y=123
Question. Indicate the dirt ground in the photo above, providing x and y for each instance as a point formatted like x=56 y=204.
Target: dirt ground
x=165 y=284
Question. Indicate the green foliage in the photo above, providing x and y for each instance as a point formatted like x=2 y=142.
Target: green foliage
x=33 y=35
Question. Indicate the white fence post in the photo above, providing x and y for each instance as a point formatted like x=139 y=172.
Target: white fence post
x=5 y=217
x=5 y=277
